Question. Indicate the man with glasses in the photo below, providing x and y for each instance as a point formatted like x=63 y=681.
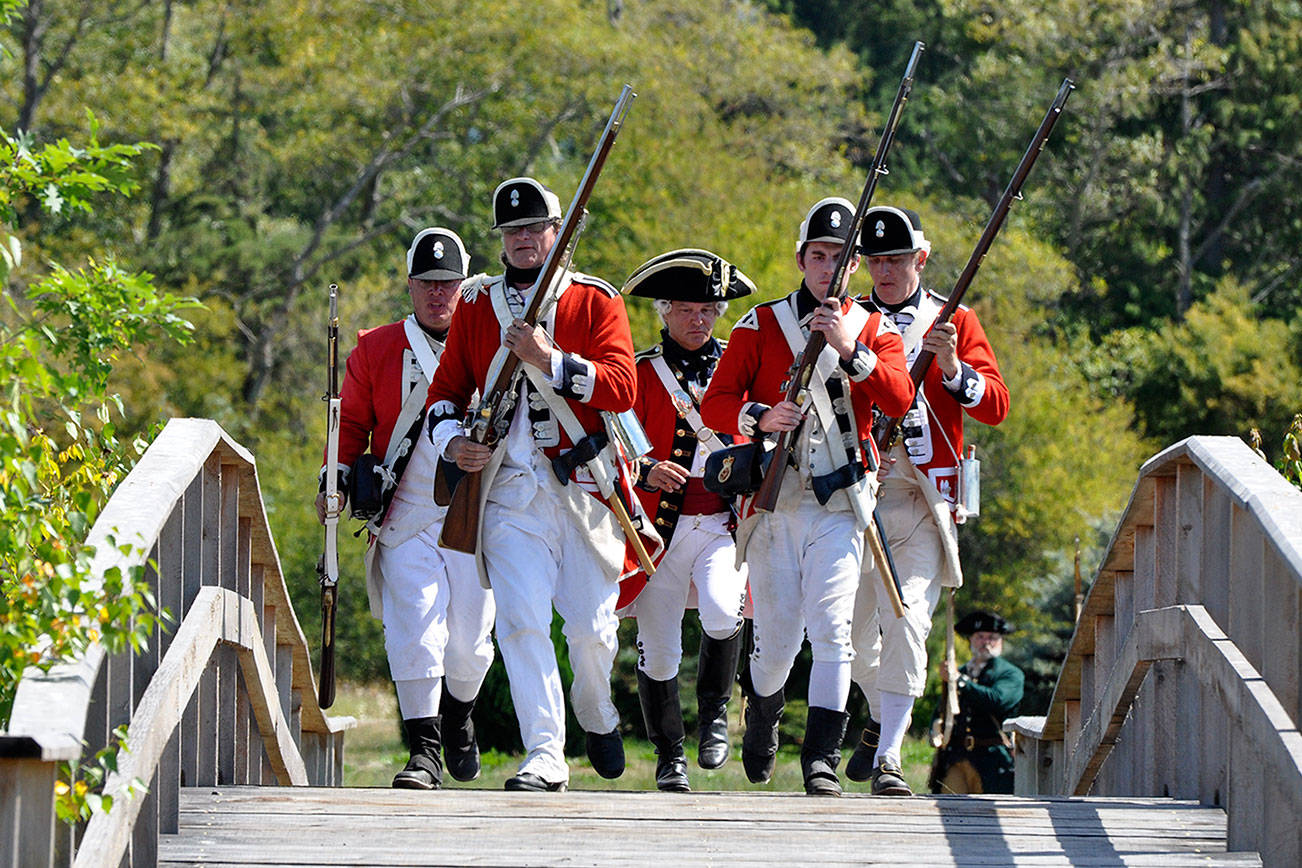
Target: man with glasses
x=545 y=538
x=437 y=617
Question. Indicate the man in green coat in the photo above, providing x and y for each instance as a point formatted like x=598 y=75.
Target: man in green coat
x=977 y=758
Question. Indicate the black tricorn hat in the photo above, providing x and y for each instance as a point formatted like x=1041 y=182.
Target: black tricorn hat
x=982 y=622
x=829 y=220
x=521 y=201
x=888 y=231
x=688 y=275
x=437 y=254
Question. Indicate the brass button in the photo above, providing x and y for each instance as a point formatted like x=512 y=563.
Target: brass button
x=679 y=452
x=680 y=432
x=662 y=522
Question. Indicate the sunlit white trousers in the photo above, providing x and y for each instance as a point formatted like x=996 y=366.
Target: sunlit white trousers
x=891 y=652
x=701 y=555
x=538 y=555
x=804 y=570
x=438 y=619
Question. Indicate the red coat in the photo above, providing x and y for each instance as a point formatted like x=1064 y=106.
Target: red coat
x=590 y=323
x=379 y=374
x=758 y=362
x=982 y=394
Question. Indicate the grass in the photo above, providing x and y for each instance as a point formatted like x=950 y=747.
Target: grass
x=374 y=752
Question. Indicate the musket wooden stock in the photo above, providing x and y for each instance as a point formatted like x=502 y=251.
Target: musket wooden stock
x=886 y=436
x=461 y=526
x=766 y=498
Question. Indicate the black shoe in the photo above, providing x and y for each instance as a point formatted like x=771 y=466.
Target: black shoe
x=888 y=780
x=424 y=771
x=530 y=783
x=759 y=745
x=821 y=753
x=460 y=750
x=663 y=715
x=606 y=753
x=716 y=673
x=860 y=765
x=671 y=775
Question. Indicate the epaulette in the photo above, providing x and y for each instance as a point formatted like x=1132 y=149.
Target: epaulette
x=649 y=353
x=580 y=277
x=472 y=286
x=749 y=320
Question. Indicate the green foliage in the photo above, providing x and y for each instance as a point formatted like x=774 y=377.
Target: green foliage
x=60 y=452
x=1221 y=371
x=79 y=792
x=1290 y=462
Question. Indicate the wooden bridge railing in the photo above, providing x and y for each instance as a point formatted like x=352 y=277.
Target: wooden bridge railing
x=226 y=696
x=1182 y=678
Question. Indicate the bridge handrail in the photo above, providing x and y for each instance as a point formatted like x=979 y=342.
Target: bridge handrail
x=191 y=513
x=1213 y=529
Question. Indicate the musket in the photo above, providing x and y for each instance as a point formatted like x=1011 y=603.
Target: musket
x=951 y=668
x=490 y=420
x=328 y=567
x=797 y=389
x=889 y=427
x=875 y=536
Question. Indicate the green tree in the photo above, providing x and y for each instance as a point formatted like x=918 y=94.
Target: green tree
x=60 y=333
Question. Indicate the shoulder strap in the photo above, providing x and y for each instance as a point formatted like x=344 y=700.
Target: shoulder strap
x=420 y=345
x=693 y=418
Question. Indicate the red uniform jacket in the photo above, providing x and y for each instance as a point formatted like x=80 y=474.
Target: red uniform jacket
x=591 y=330
x=981 y=393
x=380 y=373
x=758 y=360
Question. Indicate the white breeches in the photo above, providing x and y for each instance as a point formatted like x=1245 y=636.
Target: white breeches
x=890 y=652
x=701 y=555
x=438 y=619
x=537 y=556
x=804 y=569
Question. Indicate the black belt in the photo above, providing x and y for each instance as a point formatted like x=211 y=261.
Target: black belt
x=830 y=483
x=584 y=451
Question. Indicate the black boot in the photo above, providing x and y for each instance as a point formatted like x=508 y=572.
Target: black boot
x=714 y=678
x=860 y=765
x=663 y=715
x=606 y=753
x=824 y=732
x=424 y=771
x=460 y=750
x=759 y=745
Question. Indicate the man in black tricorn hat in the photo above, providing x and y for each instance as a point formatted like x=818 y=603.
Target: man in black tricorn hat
x=920 y=502
x=977 y=758
x=546 y=537
x=691 y=289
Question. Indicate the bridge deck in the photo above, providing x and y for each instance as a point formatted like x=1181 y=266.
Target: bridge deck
x=232 y=826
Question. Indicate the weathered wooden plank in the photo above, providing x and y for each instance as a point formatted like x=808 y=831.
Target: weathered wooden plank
x=1189 y=535
x=1247 y=603
x=250 y=826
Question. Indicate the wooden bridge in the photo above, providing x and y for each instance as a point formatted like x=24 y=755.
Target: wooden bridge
x=1172 y=737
